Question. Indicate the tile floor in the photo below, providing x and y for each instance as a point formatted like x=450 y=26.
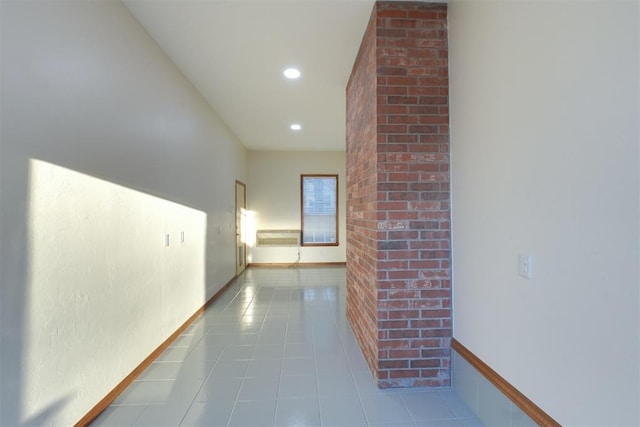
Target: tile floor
x=276 y=350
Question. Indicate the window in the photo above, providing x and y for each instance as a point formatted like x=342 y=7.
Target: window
x=319 y=205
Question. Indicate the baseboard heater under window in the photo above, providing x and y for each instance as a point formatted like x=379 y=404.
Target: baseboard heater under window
x=278 y=238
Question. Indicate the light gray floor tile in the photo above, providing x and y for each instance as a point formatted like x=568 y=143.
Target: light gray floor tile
x=365 y=383
x=230 y=369
x=193 y=370
x=203 y=353
x=250 y=327
x=297 y=412
x=186 y=341
x=427 y=406
x=271 y=337
x=195 y=330
x=167 y=415
x=298 y=337
x=146 y=393
x=456 y=404
x=471 y=422
x=222 y=327
x=385 y=409
x=331 y=386
x=174 y=354
x=237 y=352
x=276 y=349
x=329 y=350
x=253 y=413
x=219 y=340
x=264 y=368
x=119 y=416
x=161 y=371
x=220 y=390
x=298 y=351
x=259 y=389
x=268 y=351
x=356 y=361
x=393 y=425
x=214 y=414
x=298 y=386
x=439 y=423
x=298 y=367
x=342 y=412
x=336 y=363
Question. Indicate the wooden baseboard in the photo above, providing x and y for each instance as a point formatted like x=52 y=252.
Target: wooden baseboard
x=113 y=394
x=519 y=399
x=295 y=264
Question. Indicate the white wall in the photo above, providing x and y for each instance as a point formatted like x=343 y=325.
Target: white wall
x=105 y=148
x=545 y=161
x=273 y=195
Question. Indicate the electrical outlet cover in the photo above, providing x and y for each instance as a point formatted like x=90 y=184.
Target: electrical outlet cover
x=524 y=266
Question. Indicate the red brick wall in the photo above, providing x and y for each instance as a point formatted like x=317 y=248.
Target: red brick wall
x=362 y=182
x=398 y=195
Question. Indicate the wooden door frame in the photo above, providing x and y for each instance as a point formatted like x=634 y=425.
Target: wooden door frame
x=238 y=220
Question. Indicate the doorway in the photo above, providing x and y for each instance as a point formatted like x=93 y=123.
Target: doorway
x=241 y=228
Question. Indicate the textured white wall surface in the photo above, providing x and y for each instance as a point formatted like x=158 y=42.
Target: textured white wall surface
x=273 y=196
x=105 y=148
x=545 y=162
x=101 y=279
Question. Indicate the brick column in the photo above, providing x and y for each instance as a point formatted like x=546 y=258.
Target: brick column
x=398 y=209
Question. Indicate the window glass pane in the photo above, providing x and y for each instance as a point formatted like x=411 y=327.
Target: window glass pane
x=319 y=210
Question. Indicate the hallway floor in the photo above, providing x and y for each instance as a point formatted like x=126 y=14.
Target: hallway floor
x=276 y=350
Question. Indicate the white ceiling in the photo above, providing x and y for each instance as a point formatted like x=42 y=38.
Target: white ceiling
x=234 y=52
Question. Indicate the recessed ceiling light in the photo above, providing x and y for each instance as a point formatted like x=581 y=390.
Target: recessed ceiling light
x=292 y=73
x=295 y=126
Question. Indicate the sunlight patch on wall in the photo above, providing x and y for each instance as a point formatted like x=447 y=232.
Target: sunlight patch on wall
x=112 y=272
x=248 y=227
